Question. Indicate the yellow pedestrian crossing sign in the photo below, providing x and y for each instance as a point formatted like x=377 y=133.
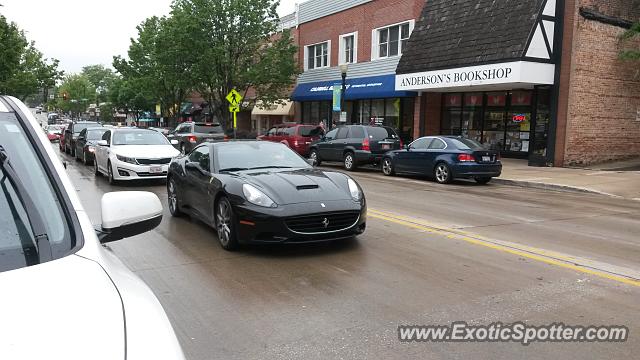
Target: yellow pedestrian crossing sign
x=234 y=108
x=234 y=98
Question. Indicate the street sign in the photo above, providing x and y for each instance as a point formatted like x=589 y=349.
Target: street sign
x=234 y=98
x=234 y=108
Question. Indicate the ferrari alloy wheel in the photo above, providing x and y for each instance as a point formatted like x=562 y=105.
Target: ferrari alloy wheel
x=225 y=225
x=443 y=173
x=387 y=167
x=172 y=193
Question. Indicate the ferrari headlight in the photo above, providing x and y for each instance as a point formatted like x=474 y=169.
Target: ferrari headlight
x=257 y=197
x=126 y=159
x=356 y=194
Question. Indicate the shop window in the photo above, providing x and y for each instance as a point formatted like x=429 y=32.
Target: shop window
x=392 y=113
x=453 y=100
x=521 y=98
x=364 y=112
x=317 y=55
x=377 y=112
x=406 y=128
x=391 y=40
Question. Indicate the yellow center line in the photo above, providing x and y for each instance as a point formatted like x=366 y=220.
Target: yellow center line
x=527 y=252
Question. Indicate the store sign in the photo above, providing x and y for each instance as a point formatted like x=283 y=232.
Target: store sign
x=518 y=118
x=518 y=72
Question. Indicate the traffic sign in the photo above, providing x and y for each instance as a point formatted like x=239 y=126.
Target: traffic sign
x=234 y=98
x=234 y=108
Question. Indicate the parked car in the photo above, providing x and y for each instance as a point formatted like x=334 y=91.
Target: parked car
x=355 y=145
x=61 y=289
x=190 y=134
x=86 y=144
x=62 y=136
x=133 y=154
x=296 y=136
x=52 y=118
x=263 y=192
x=54 y=132
x=445 y=158
x=73 y=131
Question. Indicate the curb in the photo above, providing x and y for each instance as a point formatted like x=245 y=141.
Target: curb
x=556 y=187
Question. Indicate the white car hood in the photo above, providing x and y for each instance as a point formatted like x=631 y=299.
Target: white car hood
x=67 y=308
x=146 y=151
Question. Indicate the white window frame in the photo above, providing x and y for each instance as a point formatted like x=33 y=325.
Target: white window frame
x=306 y=55
x=375 y=37
x=342 y=50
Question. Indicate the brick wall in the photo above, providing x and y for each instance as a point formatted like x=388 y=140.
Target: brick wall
x=363 y=19
x=604 y=94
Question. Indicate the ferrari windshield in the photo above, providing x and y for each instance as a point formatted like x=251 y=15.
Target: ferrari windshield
x=257 y=155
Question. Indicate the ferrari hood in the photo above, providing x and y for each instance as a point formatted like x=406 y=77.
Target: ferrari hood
x=62 y=309
x=300 y=186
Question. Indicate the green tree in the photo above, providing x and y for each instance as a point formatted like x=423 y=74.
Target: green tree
x=628 y=37
x=79 y=93
x=23 y=70
x=157 y=67
x=232 y=46
x=101 y=78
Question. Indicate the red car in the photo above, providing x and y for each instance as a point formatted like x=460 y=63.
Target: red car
x=296 y=136
x=54 y=132
x=61 y=138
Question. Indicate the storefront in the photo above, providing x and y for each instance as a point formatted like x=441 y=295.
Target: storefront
x=515 y=122
x=500 y=93
x=370 y=100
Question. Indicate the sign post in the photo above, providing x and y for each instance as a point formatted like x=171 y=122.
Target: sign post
x=234 y=98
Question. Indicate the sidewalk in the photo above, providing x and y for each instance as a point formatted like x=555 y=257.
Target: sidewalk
x=622 y=184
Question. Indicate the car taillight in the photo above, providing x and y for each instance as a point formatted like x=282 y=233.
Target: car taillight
x=192 y=139
x=498 y=157
x=466 y=158
x=226 y=138
x=365 y=144
x=295 y=143
x=401 y=144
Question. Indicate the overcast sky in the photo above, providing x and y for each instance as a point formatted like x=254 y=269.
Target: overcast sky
x=85 y=32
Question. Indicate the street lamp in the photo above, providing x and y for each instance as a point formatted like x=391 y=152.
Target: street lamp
x=343 y=70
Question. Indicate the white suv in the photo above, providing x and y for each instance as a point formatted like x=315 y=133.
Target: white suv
x=63 y=296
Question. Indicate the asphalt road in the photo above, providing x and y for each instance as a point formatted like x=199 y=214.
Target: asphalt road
x=431 y=255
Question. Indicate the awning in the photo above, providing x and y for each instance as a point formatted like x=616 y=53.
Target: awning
x=372 y=87
x=275 y=109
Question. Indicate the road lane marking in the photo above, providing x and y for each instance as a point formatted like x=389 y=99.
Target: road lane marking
x=528 y=252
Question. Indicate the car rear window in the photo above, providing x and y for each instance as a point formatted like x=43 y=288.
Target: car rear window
x=208 y=129
x=381 y=133
x=306 y=130
x=467 y=144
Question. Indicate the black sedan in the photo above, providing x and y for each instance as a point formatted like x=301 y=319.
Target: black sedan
x=86 y=144
x=445 y=158
x=263 y=192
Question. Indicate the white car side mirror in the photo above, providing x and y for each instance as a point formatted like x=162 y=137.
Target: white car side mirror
x=129 y=213
x=174 y=142
x=102 y=143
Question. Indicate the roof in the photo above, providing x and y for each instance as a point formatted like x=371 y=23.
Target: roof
x=459 y=33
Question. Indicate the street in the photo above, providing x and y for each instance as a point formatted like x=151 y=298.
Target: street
x=431 y=255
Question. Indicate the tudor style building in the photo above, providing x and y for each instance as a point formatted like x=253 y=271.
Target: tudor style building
x=536 y=79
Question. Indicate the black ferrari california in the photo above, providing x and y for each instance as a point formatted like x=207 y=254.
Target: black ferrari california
x=263 y=192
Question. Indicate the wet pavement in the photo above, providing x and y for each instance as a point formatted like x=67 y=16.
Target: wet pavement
x=431 y=254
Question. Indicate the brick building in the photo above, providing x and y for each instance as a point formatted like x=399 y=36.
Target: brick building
x=537 y=79
x=368 y=35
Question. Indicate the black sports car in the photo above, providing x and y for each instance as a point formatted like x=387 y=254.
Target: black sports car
x=263 y=192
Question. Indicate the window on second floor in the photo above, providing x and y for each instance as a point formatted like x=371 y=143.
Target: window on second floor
x=349 y=48
x=317 y=55
x=392 y=40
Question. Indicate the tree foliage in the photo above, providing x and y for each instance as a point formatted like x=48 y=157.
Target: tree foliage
x=210 y=46
x=629 y=36
x=234 y=47
x=23 y=70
